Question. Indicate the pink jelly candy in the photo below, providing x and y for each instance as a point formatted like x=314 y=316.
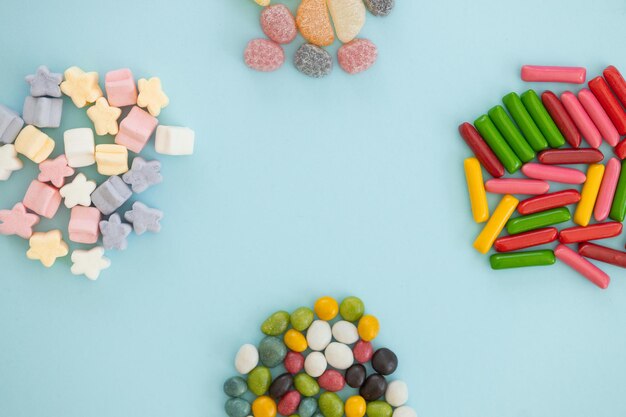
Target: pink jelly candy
x=264 y=55
x=357 y=55
x=278 y=24
x=17 y=221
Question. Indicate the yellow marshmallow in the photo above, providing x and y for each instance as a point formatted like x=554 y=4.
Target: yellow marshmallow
x=34 y=144
x=111 y=159
x=82 y=87
x=104 y=117
x=47 y=247
x=151 y=95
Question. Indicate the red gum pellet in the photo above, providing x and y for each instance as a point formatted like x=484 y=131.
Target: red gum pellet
x=602 y=254
x=289 y=403
x=331 y=380
x=620 y=149
x=570 y=156
x=483 y=152
x=294 y=362
x=609 y=103
x=363 y=351
x=593 y=232
x=548 y=201
x=617 y=83
x=526 y=240
x=562 y=118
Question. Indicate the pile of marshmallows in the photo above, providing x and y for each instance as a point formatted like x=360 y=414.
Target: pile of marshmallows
x=88 y=201
x=313 y=21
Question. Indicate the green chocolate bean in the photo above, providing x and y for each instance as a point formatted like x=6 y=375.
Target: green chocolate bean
x=235 y=386
x=542 y=118
x=351 y=309
x=538 y=220
x=528 y=127
x=306 y=385
x=276 y=324
x=379 y=409
x=331 y=405
x=302 y=318
x=497 y=144
x=522 y=259
x=618 y=209
x=308 y=407
x=259 y=380
x=511 y=133
x=237 y=407
x=272 y=351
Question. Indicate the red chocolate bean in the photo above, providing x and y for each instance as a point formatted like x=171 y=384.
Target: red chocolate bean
x=602 y=254
x=483 y=152
x=609 y=103
x=616 y=81
x=289 y=404
x=294 y=362
x=526 y=240
x=548 y=201
x=331 y=380
x=570 y=156
x=363 y=351
x=593 y=232
x=562 y=118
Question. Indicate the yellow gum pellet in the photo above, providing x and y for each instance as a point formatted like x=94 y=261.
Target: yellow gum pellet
x=476 y=189
x=496 y=223
x=589 y=194
x=295 y=340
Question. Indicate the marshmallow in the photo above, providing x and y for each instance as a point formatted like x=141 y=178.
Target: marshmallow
x=34 y=144
x=42 y=111
x=142 y=175
x=55 y=171
x=89 y=262
x=78 y=192
x=17 y=221
x=10 y=124
x=47 y=247
x=83 y=226
x=79 y=147
x=110 y=195
x=42 y=198
x=9 y=162
x=174 y=140
x=44 y=83
x=120 y=88
x=111 y=159
x=151 y=95
x=114 y=232
x=136 y=129
x=104 y=117
x=82 y=87
x=144 y=218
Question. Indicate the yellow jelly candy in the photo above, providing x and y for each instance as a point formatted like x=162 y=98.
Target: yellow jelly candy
x=264 y=406
x=368 y=328
x=295 y=340
x=262 y=2
x=348 y=18
x=151 y=95
x=326 y=308
x=34 y=144
x=82 y=87
x=112 y=159
x=104 y=117
x=589 y=194
x=47 y=247
x=355 y=406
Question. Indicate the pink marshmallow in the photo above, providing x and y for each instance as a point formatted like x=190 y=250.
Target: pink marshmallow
x=607 y=189
x=516 y=186
x=554 y=173
x=83 y=226
x=599 y=116
x=42 y=198
x=17 y=221
x=136 y=129
x=55 y=171
x=581 y=119
x=120 y=87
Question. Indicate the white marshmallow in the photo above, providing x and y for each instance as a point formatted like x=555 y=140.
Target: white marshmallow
x=79 y=147
x=174 y=140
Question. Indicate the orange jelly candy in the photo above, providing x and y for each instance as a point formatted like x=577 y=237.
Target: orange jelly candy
x=313 y=22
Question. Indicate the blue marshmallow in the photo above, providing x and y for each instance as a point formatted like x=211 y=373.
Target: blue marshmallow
x=44 y=83
x=43 y=111
x=110 y=195
x=142 y=175
x=10 y=124
x=144 y=218
x=114 y=233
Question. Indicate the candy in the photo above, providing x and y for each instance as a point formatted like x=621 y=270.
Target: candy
x=10 y=124
x=355 y=406
x=142 y=175
x=315 y=364
x=374 y=387
x=561 y=118
x=553 y=173
x=120 y=88
x=379 y=409
x=609 y=103
x=516 y=186
x=368 y=327
x=357 y=55
x=247 y=357
x=583 y=266
x=110 y=195
x=313 y=61
x=55 y=171
x=34 y=144
x=523 y=119
x=404 y=411
x=135 y=130
x=538 y=220
x=526 y=240
x=602 y=254
x=522 y=259
x=280 y=385
x=43 y=199
x=46 y=247
x=146 y=219
x=301 y=318
x=331 y=380
x=384 y=361
x=83 y=226
x=497 y=143
x=617 y=83
x=355 y=375
x=379 y=7
x=295 y=340
x=79 y=147
x=114 y=234
x=9 y=162
x=44 y=83
x=348 y=18
x=482 y=151
x=331 y=405
x=104 y=117
x=592 y=232
x=82 y=87
x=397 y=393
x=319 y=335
x=237 y=407
x=598 y=116
x=620 y=149
x=111 y=159
x=326 y=308
x=308 y=407
x=276 y=324
x=607 y=189
x=151 y=95
x=174 y=140
x=235 y=386
x=496 y=223
x=339 y=356
x=17 y=221
x=588 y=195
x=363 y=351
x=264 y=407
x=570 y=156
x=278 y=24
x=259 y=380
x=581 y=119
x=542 y=118
x=78 y=192
x=351 y=308
x=540 y=73
x=89 y=263
x=313 y=22
x=289 y=403
x=263 y=55
x=345 y=332
x=306 y=385
x=511 y=133
x=618 y=209
x=42 y=111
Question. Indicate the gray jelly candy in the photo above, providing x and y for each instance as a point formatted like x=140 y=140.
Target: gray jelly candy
x=114 y=233
x=110 y=195
x=43 y=111
x=379 y=7
x=44 y=83
x=313 y=61
x=142 y=175
x=10 y=124
x=144 y=218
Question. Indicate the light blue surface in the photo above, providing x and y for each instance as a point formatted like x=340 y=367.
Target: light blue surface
x=299 y=188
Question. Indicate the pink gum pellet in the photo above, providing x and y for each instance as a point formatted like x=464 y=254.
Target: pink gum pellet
x=607 y=189
x=363 y=351
x=581 y=119
x=553 y=173
x=517 y=186
x=573 y=75
x=294 y=362
x=598 y=116
x=582 y=266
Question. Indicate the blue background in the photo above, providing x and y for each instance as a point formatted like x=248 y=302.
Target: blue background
x=300 y=188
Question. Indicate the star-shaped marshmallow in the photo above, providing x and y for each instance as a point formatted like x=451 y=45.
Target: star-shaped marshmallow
x=17 y=221
x=151 y=95
x=55 y=171
x=114 y=232
x=104 y=117
x=78 y=192
x=44 y=83
x=143 y=174
x=47 y=247
x=9 y=161
x=82 y=87
x=144 y=218
x=89 y=262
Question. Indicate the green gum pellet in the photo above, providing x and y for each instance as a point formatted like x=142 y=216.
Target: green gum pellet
x=522 y=259
x=259 y=380
x=379 y=409
x=511 y=133
x=302 y=318
x=351 y=308
x=276 y=324
x=497 y=144
x=542 y=118
x=526 y=124
x=331 y=405
x=306 y=385
x=618 y=209
x=537 y=220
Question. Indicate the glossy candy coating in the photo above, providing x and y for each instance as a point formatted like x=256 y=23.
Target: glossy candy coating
x=496 y=223
x=548 y=201
x=517 y=186
x=526 y=240
x=511 y=133
x=617 y=83
x=602 y=254
x=289 y=403
x=237 y=407
x=542 y=118
x=589 y=194
x=384 y=361
x=618 y=208
x=295 y=340
x=481 y=150
x=561 y=118
x=368 y=327
x=553 y=173
x=607 y=189
x=264 y=407
x=476 y=190
x=331 y=380
x=570 y=156
x=522 y=259
x=351 y=308
x=374 y=387
x=496 y=142
x=593 y=232
x=355 y=375
x=598 y=116
x=525 y=122
x=379 y=409
x=538 y=220
x=609 y=103
x=554 y=74
x=582 y=266
x=326 y=308
x=355 y=406
x=281 y=385
x=582 y=120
